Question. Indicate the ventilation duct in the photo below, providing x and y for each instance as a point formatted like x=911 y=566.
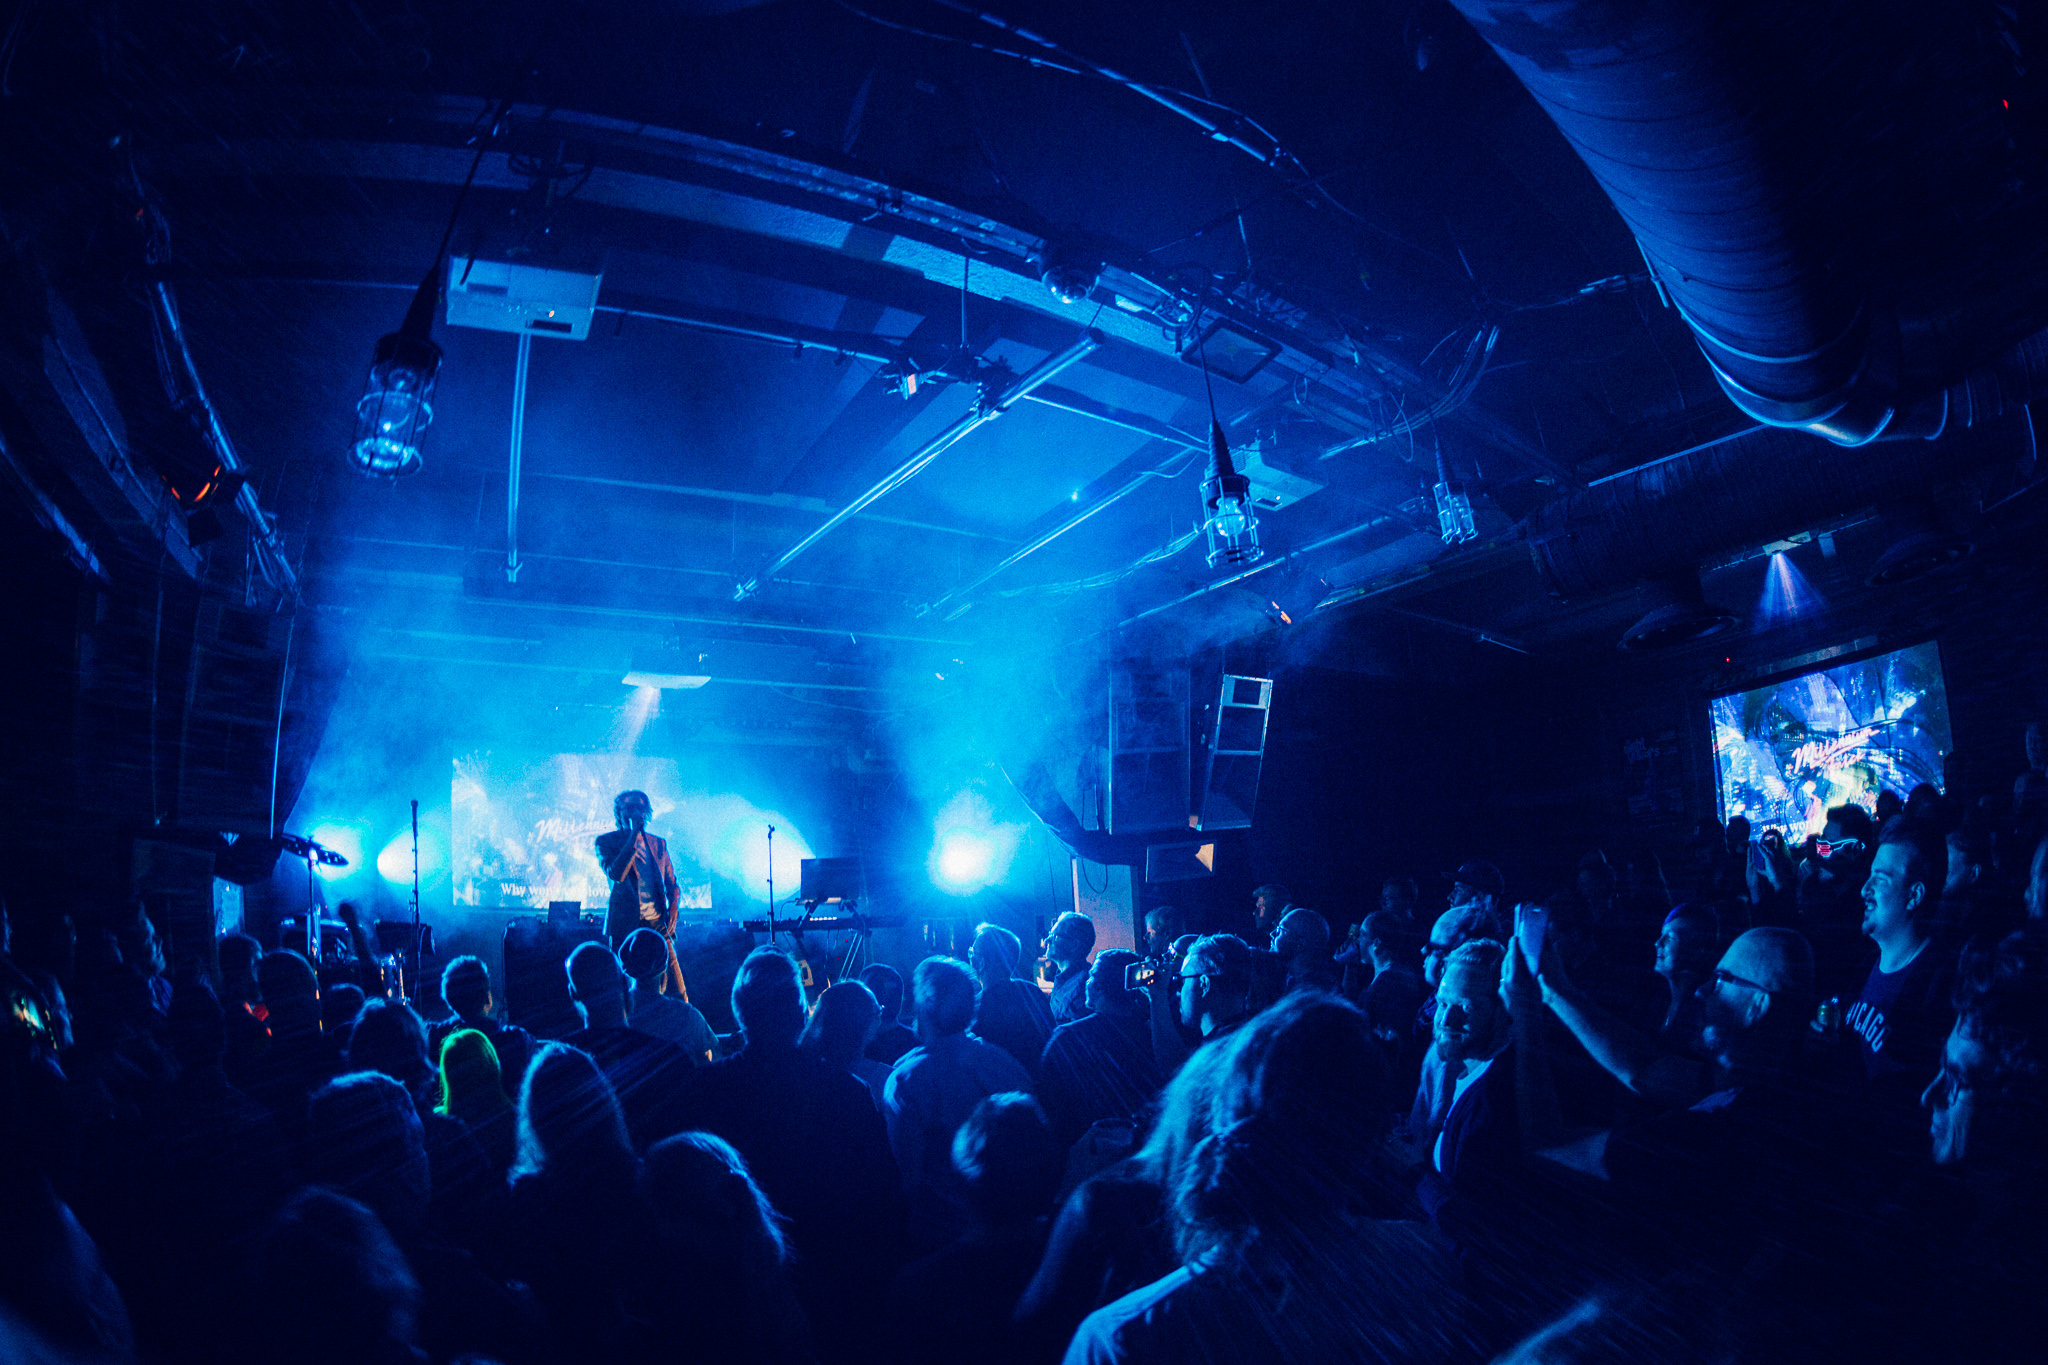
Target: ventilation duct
x=1719 y=132
x=1763 y=486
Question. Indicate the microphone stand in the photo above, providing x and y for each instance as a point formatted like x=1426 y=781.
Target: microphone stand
x=771 y=884
x=413 y=982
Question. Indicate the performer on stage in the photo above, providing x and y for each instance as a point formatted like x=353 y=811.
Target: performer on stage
x=644 y=889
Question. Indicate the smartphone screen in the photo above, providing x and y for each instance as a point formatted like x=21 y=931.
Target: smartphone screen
x=1531 y=924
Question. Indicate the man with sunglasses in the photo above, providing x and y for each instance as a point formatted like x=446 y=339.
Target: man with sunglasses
x=1829 y=899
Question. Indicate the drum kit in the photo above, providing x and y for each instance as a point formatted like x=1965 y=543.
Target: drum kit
x=400 y=945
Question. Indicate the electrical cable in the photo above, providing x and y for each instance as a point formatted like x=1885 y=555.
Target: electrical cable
x=1273 y=155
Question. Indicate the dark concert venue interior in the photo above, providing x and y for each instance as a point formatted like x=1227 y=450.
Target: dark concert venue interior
x=814 y=681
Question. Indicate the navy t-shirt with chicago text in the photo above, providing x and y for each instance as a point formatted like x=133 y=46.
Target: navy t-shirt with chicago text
x=1901 y=1019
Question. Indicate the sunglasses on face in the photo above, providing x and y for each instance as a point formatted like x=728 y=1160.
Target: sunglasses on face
x=1832 y=848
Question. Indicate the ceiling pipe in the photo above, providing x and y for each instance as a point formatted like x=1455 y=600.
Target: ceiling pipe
x=991 y=405
x=1705 y=123
x=1760 y=487
x=269 y=545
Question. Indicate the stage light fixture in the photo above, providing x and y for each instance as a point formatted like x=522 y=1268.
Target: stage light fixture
x=1231 y=525
x=963 y=859
x=1235 y=353
x=1229 y=522
x=1067 y=273
x=1679 y=614
x=1456 y=522
x=397 y=404
x=667 y=682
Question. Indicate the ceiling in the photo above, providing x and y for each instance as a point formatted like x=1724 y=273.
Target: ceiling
x=794 y=205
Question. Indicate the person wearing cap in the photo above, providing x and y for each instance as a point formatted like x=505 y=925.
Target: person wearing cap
x=1478 y=884
x=644 y=955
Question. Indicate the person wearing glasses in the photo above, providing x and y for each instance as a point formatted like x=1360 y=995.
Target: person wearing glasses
x=1745 y=1013
x=1828 y=902
x=1215 y=984
x=1987 y=1125
x=1759 y=1156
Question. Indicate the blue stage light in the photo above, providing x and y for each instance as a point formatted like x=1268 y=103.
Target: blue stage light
x=394 y=864
x=971 y=848
x=961 y=861
x=345 y=840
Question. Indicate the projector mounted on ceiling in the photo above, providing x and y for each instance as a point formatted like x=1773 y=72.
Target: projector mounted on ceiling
x=501 y=297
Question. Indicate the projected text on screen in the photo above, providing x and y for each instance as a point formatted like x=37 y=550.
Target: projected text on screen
x=524 y=828
x=1785 y=753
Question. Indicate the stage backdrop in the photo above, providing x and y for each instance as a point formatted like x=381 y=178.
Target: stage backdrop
x=1786 y=752
x=523 y=829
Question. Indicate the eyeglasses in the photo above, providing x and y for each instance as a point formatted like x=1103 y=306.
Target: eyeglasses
x=1829 y=848
x=1727 y=978
x=1437 y=949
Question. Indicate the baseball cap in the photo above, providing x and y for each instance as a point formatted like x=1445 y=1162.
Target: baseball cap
x=1481 y=876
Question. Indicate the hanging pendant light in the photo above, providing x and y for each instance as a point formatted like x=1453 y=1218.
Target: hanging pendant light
x=1229 y=521
x=1231 y=525
x=397 y=404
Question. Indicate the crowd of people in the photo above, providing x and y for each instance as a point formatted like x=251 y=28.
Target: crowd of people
x=1796 y=1113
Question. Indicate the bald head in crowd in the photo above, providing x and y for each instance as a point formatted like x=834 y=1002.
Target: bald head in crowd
x=1758 y=999
x=1302 y=932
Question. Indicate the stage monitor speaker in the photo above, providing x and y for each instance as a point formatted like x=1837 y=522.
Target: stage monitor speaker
x=1149 y=768
x=1236 y=752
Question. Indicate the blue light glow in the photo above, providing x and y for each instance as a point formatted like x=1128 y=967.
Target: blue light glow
x=1787 y=595
x=971 y=849
x=394 y=864
x=348 y=842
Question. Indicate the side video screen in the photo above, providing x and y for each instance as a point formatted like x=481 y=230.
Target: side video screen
x=1785 y=753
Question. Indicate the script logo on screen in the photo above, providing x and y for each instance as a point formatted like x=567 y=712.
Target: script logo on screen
x=1785 y=753
x=524 y=829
